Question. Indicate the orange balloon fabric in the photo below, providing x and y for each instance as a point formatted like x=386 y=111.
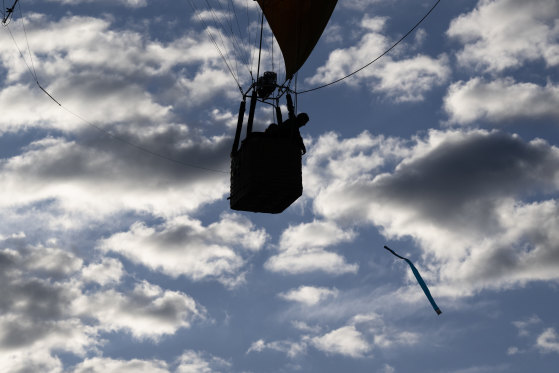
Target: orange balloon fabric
x=297 y=26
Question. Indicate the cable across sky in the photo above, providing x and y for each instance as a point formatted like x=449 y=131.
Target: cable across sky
x=33 y=72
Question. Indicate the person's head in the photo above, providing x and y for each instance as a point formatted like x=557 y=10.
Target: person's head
x=302 y=119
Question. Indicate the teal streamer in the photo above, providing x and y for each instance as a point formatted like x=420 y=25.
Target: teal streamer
x=420 y=280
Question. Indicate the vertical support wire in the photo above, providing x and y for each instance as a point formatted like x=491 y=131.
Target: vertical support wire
x=260 y=46
x=216 y=45
x=254 y=50
x=243 y=42
x=249 y=34
x=226 y=23
x=220 y=27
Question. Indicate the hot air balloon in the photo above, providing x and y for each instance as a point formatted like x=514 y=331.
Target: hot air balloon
x=266 y=166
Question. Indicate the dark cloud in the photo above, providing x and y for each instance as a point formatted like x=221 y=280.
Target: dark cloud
x=106 y=174
x=45 y=306
x=40 y=308
x=6 y=261
x=166 y=154
x=145 y=311
x=533 y=255
x=471 y=172
x=474 y=201
x=33 y=296
x=21 y=333
x=38 y=299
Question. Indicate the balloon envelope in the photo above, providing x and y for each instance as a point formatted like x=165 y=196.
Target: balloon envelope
x=297 y=26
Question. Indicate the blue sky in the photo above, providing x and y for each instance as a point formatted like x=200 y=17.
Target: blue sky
x=116 y=260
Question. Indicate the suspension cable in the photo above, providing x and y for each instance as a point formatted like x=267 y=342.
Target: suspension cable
x=243 y=49
x=378 y=57
x=214 y=42
x=221 y=21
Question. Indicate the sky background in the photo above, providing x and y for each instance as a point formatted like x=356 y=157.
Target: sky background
x=113 y=259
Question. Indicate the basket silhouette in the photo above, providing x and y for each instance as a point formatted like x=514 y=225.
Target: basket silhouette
x=266 y=174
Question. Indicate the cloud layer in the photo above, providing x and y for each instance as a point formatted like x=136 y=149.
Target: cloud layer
x=48 y=305
x=115 y=224
x=182 y=246
x=400 y=78
x=473 y=200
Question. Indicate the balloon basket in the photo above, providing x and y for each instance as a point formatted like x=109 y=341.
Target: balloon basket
x=265 y=174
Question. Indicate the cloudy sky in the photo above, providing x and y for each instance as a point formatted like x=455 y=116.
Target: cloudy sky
x=118 y=250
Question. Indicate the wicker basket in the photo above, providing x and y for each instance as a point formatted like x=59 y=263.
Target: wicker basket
x=266 y=174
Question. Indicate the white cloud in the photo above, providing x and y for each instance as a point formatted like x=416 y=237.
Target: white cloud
x=108 y=365
x=91 y=74
x=146 y=312
x=290 y=348
x=386 y=340
x=106 y=79
x=208 y=15
x=331 y=158
x=314 y=234
x=301 y=250
x=205 y=85
x=462 y=196
x=129 y=3
x=52 y=261
x=34 y=309
x=30 y=361
x=47 y=308
x=183 y=246
x=343 y=61
x=257 y=346
x=198 y=362
x=120 y=81
x=107 y=271
x=502 y=34
x=383 y=336
x=387 y=369
x=406 y=79
x=303 y=326
x=523 y=326
x=500 y=100
x=356 y=339
x=548 y=341
x=104 y=177
x=309 y=295
x=359 y=5
x=303 y=261
x=22 y=335
x=483 y=369
x=344 y=341
x=513 y=350
x=409 y=79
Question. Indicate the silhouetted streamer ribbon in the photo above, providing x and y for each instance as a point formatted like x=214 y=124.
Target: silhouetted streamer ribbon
x=420 y=280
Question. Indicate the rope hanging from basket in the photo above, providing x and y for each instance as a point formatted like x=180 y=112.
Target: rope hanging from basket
x=419 y=280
